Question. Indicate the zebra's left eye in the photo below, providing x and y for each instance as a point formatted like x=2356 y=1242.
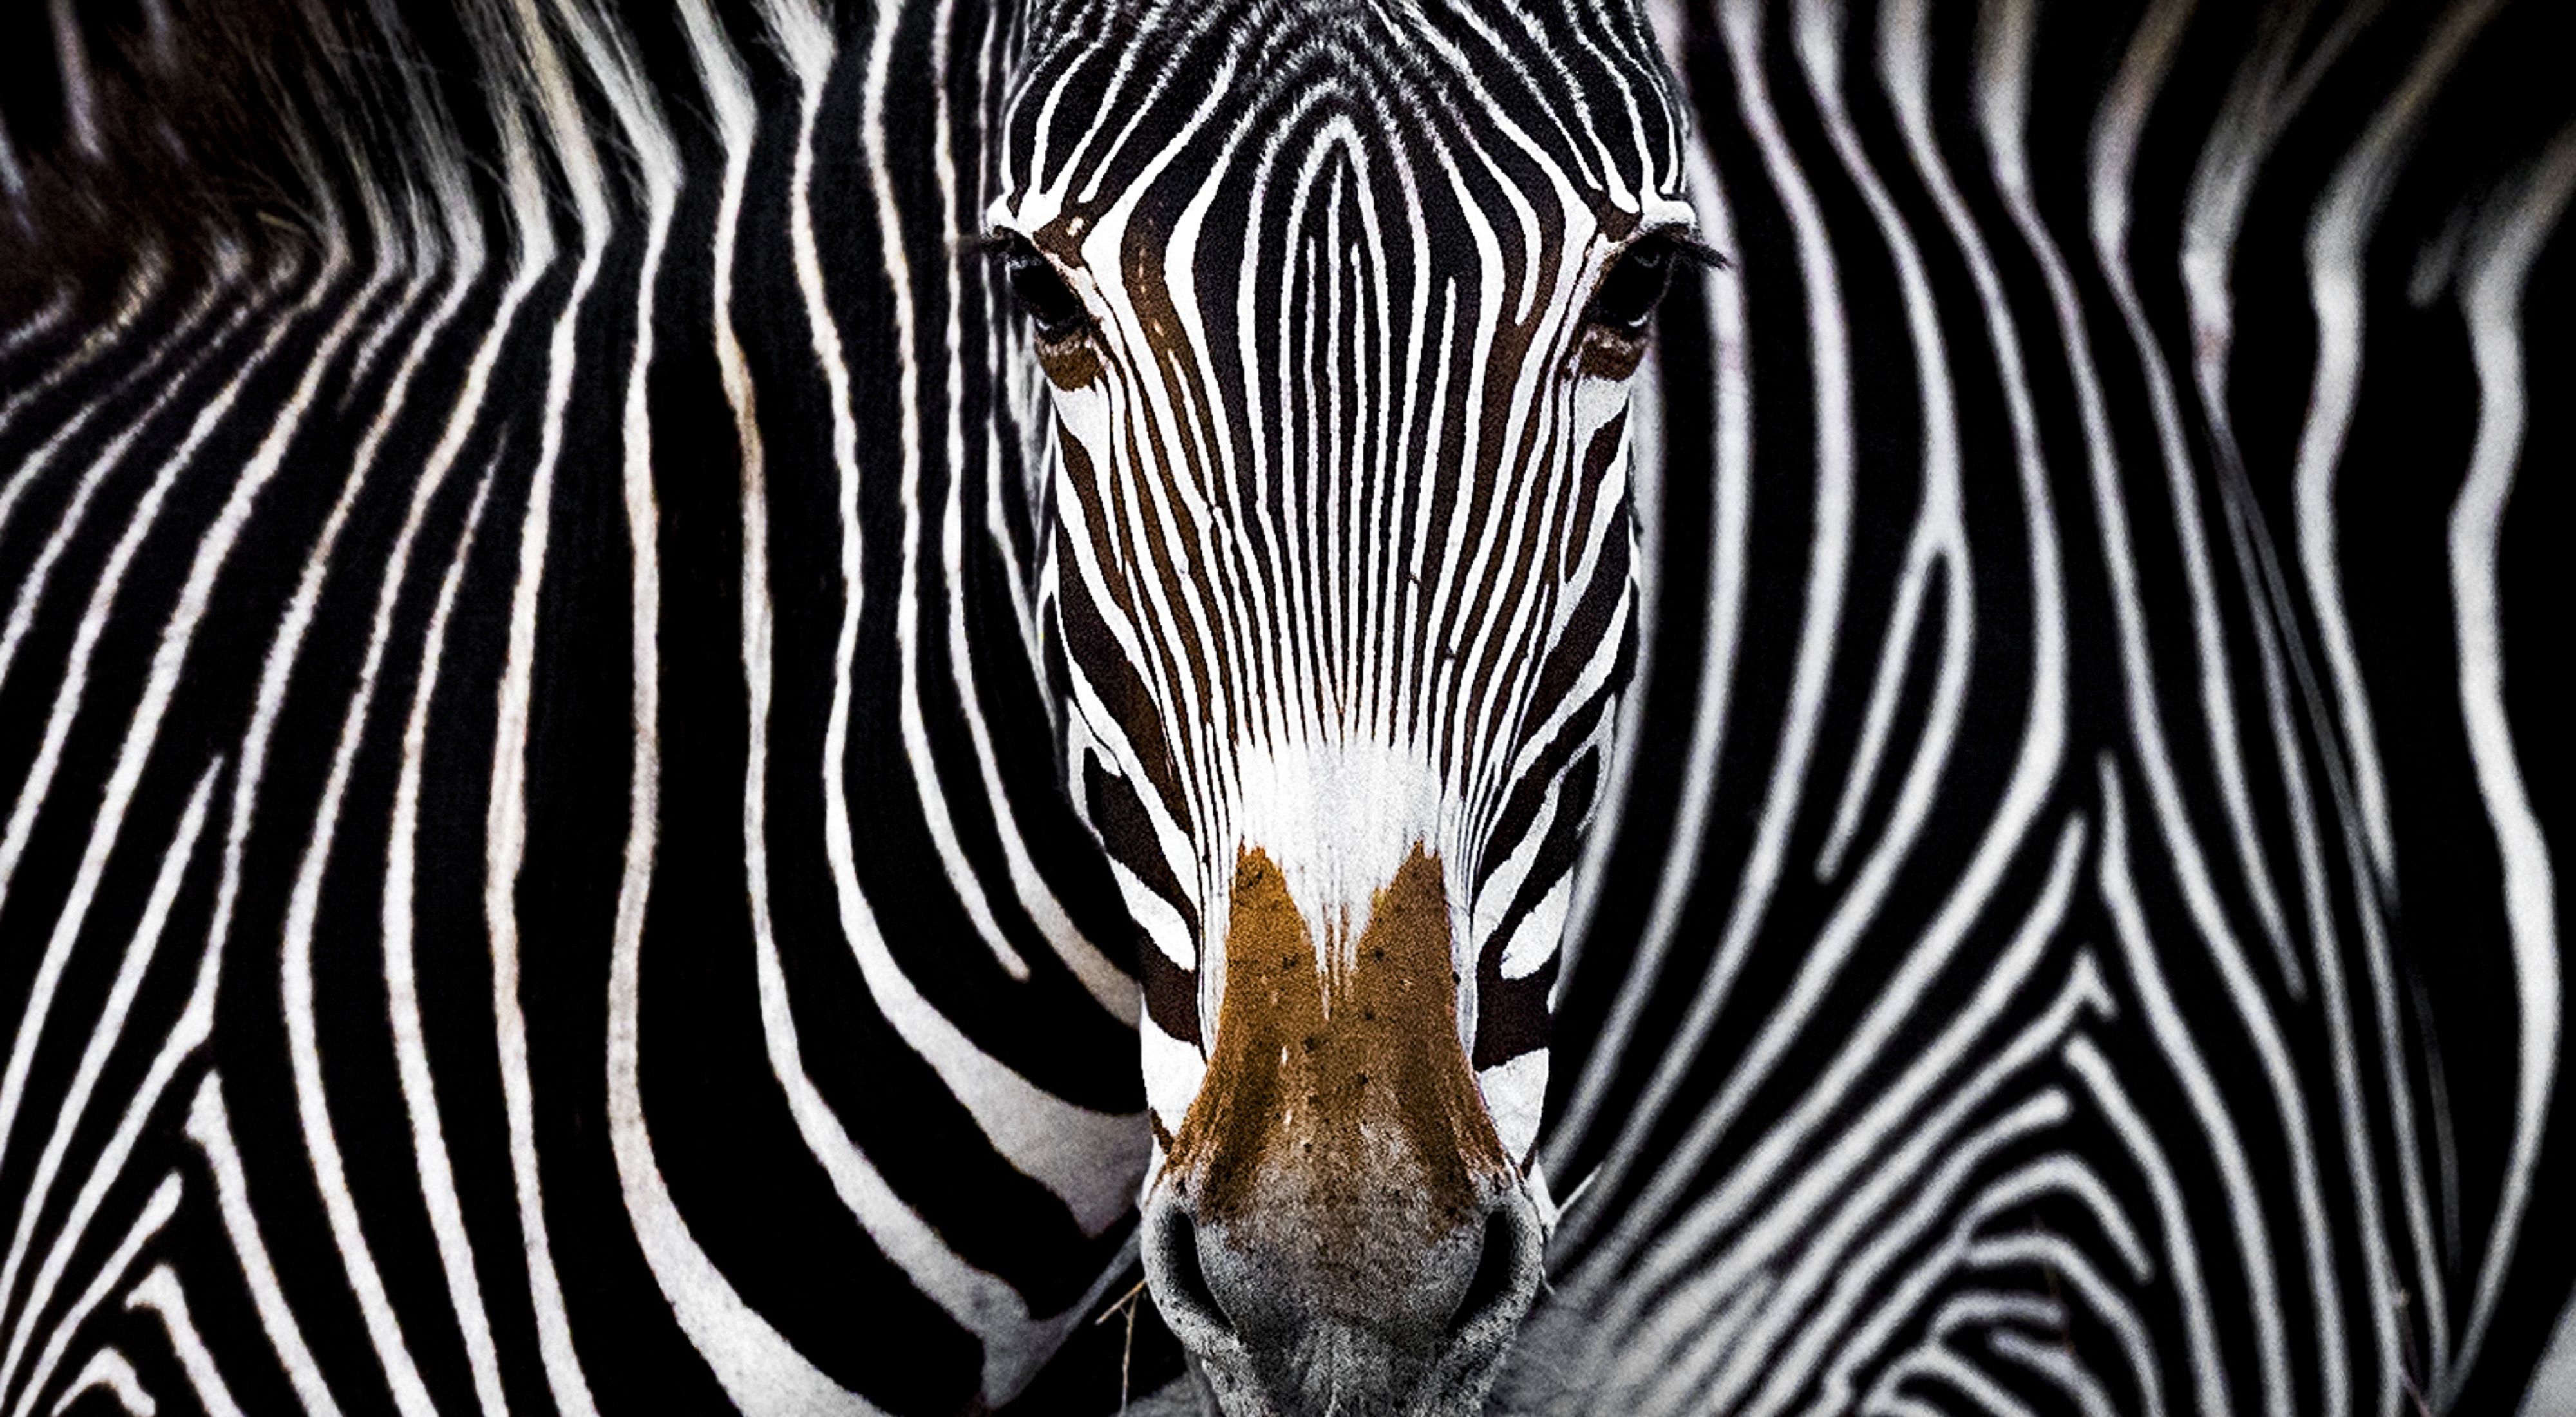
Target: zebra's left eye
x=1634 y=286
x=1053 y=305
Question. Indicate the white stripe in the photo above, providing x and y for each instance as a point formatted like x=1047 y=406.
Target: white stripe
x=104 y=1036
x=505 y=821
x=1730 y=515
x=195 y=1021
x=68 y=519
x=2338 y=233
x=402 y=984
x=285 y=649
x=1936 y=1362
x=33 y=465
x=2492 y=304
x=2003 y=118
x=759 y=1369
x=80 y=96
x=2054 y=1256
x=177 y=635
x=2235 y=148
x=160 y=1292
x=2217 y=1125
x=107 y=1371
x=1116 y=992
x=1895 y=1301
x=2173 y=1214
x=155 y=1214
x=1052 y=1141
x=1939 y=542
x=2060 y=1366
x=983 y=1305
x=297 y=1000
x=39 y=323
x=151 y=269
x=1895 y=1117
x=211 y=1128
x=1829 y=549
x=144 y=727
x=935 y=816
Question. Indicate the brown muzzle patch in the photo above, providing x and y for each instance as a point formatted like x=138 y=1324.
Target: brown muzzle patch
x=1340 y=1117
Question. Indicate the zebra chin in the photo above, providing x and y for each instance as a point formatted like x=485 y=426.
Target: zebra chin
x=1337 y=1228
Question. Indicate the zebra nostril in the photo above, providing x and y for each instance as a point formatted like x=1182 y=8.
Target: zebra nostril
x=1493 y=1277
x=1182 y=1290
x=1505 y=1272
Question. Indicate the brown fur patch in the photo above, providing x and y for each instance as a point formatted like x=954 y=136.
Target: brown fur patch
x=1071 y=365
x=1368 y=1117
x=1603 y=355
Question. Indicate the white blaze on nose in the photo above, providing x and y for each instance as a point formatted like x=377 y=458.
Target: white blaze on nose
x=1339 y=817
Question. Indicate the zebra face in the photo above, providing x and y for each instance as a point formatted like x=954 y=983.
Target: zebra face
x=1340 y=305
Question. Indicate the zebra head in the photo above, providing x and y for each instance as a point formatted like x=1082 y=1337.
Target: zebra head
x=1340 y=304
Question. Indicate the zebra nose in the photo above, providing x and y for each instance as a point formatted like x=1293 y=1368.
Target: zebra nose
x=1190 y=1308
x=1287 y=1313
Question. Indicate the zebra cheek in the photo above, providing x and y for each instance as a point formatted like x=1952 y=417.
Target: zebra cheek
x=1515 y=1094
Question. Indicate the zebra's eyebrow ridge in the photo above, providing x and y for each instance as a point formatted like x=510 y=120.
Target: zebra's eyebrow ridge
x=1688 y=246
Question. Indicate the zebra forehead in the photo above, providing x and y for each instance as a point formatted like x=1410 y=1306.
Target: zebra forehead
x=1113 y=98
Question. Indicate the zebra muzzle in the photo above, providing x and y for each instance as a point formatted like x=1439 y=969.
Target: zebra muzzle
x=1337 y=1228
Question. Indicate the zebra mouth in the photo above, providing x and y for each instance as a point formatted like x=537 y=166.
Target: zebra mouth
x=1243 y=1300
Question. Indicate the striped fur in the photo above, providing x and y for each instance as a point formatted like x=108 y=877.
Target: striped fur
x=1342 y=549
x=2055 y=985
x=481 y=617
x=533 y=872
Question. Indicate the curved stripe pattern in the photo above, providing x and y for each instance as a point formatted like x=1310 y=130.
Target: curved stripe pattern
x=501 y=770
x=605 y=774
x=2089 y=1001
x=1341 y=561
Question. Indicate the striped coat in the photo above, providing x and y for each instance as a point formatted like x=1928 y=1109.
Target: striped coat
x=535 y=871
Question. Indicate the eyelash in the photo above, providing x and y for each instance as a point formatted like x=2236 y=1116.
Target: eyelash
x=1624 y=303
x=1053 y=306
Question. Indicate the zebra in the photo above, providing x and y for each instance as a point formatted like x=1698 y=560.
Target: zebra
x=319 y=741
x=2065 y=383
x=1339 y=313
x=576 y=419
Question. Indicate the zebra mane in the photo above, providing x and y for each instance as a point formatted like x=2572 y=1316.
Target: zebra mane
x=205 y=131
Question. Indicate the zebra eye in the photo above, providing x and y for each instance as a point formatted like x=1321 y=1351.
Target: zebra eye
x=1634 y=285
x=1053 y=307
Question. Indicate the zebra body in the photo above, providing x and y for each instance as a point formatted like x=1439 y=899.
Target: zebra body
x=372 y=518
x=535 y=875
x=2118 y=1063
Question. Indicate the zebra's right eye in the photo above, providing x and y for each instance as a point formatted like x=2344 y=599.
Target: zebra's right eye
x=1634 y=285
x=1052 y=305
